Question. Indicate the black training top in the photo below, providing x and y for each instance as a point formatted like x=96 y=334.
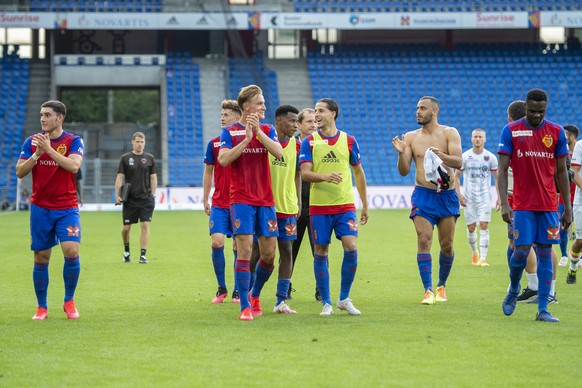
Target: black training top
x=137 y=170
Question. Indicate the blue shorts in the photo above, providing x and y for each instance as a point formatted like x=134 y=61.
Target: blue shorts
x=434 y=206
x=287 y=228
x=49 y=227
x=258 y=220
x=219 y=221
x=344 y=224
x=535 y=227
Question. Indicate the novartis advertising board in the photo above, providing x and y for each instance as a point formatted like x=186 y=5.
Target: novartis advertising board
x=190 y=198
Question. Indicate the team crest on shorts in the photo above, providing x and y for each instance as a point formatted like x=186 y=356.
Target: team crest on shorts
x=73 y=231
x=211 y=224
x=291 y=229
x=237 y=223
x=272 y=225
x=515 y=234
x=62 y=149
x=553 y=232
x=548 y=141
x=353 y=224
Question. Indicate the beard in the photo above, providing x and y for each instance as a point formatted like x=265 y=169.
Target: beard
x=424 y=120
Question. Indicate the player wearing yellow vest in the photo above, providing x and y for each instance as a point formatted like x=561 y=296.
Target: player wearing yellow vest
x=326 y=157
x=286 y=184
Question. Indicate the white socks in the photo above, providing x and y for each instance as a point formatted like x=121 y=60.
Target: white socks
x=532 y=281
x=472 y=237
x=484 y=242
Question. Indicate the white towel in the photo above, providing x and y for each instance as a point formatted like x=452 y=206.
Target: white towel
x=434 y=171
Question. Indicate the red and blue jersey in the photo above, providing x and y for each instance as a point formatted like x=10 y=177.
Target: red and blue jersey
x=221 y=195
x=533 y=153
x=53 y=187
x=250 y=174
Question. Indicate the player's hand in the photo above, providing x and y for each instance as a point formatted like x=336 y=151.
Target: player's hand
x=364 y=216
x=334 y=177
x=462 y=201
x=497 y=205
x=42 y=142
x=118 y=200
x=399 y=145
x=566 y=218
x=436 y=151
x=207 y=208
x=507 y=213
x=253 y=122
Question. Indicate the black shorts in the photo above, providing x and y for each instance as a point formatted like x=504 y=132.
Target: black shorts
x=142 y=210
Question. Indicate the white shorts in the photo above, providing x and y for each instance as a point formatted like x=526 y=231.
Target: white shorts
x=478 y=212
x=577 y=210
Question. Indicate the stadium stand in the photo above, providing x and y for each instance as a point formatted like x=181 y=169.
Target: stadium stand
x=433 y=6
x=96 y=6
x=14 y=73
x=185 y=144
x=247 y=71
x=378 y=88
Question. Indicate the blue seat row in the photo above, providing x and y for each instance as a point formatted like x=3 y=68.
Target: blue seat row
x=96 y=6
x=432 y=5
x=184 y=121
x=14 y=73
x=471 y=96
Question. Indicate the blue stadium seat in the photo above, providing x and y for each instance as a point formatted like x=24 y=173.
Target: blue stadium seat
x=469 y=73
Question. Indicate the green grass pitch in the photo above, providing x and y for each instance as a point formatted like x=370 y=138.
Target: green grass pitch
x=154 y=325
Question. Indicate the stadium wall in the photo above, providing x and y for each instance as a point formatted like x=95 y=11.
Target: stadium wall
x=190 y=198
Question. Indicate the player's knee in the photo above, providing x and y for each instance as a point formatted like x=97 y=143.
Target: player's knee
x=217 y=242
x=350 y=246
x=447 y=247
x=424 y=243
x=217 y=245
x=42 y=257
x=71 y=252
x=268 y=258
x=320 y=250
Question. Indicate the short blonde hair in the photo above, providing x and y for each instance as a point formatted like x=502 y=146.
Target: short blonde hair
x=246 y=93
x=306 y=111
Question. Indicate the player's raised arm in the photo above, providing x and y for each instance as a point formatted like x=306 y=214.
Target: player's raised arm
x=404 y=153
x=274 y=147
x=228 y=153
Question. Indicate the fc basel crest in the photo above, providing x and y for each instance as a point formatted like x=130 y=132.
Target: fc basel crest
x=548 y=141
x=62 y=149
